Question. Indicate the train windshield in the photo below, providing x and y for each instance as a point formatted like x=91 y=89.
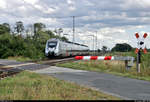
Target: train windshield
x=52 y=44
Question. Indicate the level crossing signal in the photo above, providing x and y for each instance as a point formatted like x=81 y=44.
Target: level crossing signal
x=140 y=43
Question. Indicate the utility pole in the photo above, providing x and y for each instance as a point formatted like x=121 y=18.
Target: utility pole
x=93 y=46
x=96 y=41
x=93 y=42
x=73 y=40
x=73 y=18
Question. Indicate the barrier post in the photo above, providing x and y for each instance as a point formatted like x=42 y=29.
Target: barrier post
x=126 y=65
x=138 y=61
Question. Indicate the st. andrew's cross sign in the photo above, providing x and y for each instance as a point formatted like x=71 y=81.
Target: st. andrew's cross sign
x=140 y=43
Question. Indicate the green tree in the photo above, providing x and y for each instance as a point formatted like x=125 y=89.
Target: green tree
x=50 y=33
x=7 y=26
x=43 y=37
x=64 y=39
x=4 y=29
x=104 y=49
x=38 y=27
x=19 y=27
x=99 y=50
x=122 y=47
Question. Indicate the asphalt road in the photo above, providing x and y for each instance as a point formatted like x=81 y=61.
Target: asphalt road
x=122 y=87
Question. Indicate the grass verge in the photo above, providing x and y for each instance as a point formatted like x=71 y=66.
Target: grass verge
x=19 y=58
x=32 y=86
x=112 y=67
x=24 y=59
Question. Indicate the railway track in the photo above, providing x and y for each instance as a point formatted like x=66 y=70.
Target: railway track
x=56 y=61
x=6 y=72
x=10 y=70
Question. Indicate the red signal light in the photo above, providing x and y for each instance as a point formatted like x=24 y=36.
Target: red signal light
x=144 y=50
x=137 y=35
x=145 y=35
x=137 y=50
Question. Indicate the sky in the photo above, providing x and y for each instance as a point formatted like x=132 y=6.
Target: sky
x=114 y=21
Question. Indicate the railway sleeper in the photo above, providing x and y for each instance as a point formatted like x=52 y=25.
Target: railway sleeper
x=7 y=73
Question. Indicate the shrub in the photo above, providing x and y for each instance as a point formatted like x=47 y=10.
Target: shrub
x=16 y=46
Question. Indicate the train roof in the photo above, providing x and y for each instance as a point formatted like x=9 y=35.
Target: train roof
x=76 y=43
x=55 y=39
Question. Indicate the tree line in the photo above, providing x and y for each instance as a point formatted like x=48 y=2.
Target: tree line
x=18 y=41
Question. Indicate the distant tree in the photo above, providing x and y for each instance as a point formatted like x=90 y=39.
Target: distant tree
x=104 y=49
x=43 y=37
x=37 y=28
x=4 y=29
x=64 y=39
x=50 y=33
x=122 y=47
x=99 y=50
x=19 y=28
x=58 y=31
x=7 y=26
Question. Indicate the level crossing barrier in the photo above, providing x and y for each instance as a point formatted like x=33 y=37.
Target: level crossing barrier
x=129 y=61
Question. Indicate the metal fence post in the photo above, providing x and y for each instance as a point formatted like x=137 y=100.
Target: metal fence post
x=126 y=64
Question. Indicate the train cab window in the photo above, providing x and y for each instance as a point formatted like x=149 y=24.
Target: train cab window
x=52 y=44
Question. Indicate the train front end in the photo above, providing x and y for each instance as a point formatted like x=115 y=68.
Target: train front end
x=51 y=49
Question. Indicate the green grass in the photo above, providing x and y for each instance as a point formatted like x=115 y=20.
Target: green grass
x=32 y=86
x=24 y=59
x=114 y=67
x=20 y=58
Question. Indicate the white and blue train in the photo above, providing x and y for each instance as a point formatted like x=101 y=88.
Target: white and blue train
x=56 y=47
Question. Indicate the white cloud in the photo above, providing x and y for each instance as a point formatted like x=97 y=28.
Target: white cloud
x=2 y=4
x=31 y=1
x=38 y=7
x=70 y=2
x=137 y=4
x=71 y=8
x=49 y=11
x=22 y=8
x=120 y=41
x=88 y=3
x=110 y=31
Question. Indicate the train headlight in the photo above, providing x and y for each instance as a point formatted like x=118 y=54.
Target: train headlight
x=51 y=49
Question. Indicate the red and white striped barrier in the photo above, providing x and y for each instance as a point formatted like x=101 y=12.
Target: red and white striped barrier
x=94 y=57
